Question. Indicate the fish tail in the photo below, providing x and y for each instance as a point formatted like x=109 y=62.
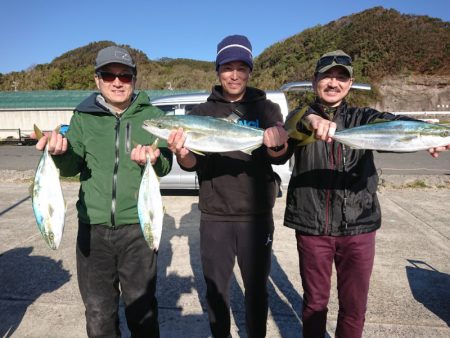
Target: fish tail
x=38 y=132
x=291 y=125
x=155 y=144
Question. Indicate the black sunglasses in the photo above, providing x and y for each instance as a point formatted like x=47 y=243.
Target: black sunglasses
x=110 y=77
x=338 y=59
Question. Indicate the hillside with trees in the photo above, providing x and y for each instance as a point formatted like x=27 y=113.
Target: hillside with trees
x=383 y=43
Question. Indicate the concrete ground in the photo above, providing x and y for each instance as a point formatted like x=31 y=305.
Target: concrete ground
x=409 y=294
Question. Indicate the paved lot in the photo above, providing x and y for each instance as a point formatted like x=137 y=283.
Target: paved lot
x=409 y=294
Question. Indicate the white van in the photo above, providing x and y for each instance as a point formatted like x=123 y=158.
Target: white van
x=182 y=104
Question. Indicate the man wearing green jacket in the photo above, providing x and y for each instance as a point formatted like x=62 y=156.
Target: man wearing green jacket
x=111 y=249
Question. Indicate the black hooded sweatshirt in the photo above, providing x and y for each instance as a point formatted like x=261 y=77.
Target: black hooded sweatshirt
x=235 y=186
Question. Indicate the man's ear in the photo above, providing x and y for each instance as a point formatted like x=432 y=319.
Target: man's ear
x=314 y=80
x=97 y=80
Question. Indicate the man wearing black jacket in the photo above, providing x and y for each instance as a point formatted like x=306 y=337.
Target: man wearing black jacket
x=332 y=203
x=237 y=191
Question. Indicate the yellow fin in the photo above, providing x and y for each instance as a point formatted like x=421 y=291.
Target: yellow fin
x=38 y=132
x=30 y=189
x=155 y=144
x=379 y=121
x=291 y=123
x=197 y=152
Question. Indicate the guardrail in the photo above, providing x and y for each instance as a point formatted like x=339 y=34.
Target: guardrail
x=16 y=136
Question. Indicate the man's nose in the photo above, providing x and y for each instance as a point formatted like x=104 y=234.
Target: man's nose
x=333 y=82
x=117 y=82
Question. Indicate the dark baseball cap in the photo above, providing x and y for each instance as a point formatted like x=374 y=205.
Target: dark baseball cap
x=336 y=58
x=114 y=54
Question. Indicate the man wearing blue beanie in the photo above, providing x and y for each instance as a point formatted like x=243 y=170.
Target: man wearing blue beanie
x=237 y=191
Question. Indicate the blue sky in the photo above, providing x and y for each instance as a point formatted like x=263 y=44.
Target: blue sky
x=37 y=31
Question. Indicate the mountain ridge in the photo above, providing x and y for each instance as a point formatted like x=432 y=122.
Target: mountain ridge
x=383 y=43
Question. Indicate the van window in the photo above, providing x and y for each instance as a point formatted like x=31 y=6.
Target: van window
x=189 y=107
x=169 y=109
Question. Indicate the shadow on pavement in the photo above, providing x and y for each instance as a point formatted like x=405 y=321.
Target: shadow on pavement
x=285 y=313
x=430 y=288
x=2 y=212
x=171 y=286
x=23 y=279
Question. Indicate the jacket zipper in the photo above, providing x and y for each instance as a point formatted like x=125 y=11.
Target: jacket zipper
x=344 y=207
x=116 y=168
x=328 y=198
x=128 y=137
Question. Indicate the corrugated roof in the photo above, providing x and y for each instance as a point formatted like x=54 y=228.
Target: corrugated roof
x=62 y=98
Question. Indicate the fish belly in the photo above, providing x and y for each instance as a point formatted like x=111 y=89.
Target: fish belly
x=150 y=207
x=48 y=202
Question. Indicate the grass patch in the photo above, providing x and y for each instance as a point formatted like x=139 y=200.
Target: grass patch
x=70 y=179
x=417 y=184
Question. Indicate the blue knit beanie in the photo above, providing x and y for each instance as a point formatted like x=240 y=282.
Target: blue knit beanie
x=234 y=48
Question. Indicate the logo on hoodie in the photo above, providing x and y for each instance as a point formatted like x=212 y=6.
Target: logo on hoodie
x=247 y=123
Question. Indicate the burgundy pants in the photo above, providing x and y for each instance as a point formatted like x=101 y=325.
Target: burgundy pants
x=353 y=257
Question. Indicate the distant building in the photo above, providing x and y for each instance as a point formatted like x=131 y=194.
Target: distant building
x=19 y=111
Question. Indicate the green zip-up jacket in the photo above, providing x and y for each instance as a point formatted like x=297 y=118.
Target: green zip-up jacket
x=100 y=144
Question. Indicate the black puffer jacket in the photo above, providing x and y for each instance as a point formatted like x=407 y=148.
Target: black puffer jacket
x=333 y=188
x=234 y=185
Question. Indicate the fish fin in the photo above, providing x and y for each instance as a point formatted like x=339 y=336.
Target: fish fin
x=249 y=150
x=233 y=118
x=147 y=159
x=197 y=152
x=198 y=136
x=30 y=189
x=230 y=118
x=38 y=132
x=379 y=121
x=407 y=138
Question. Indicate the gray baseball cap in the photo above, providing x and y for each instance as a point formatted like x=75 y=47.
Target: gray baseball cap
x=336 y=58
x=114 y=54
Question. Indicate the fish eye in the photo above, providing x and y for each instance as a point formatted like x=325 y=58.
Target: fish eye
x=159 y=125
x=444 y=133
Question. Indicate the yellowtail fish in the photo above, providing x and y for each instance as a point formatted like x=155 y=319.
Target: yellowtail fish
x=205 y=134
x=47 y=199
x=395 y=136
x=384 y=135
x=150 y=206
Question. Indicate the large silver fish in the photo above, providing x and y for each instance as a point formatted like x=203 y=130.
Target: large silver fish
x=47 y=199
x=150 y=207
x=205 y=134
x=395 y=136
